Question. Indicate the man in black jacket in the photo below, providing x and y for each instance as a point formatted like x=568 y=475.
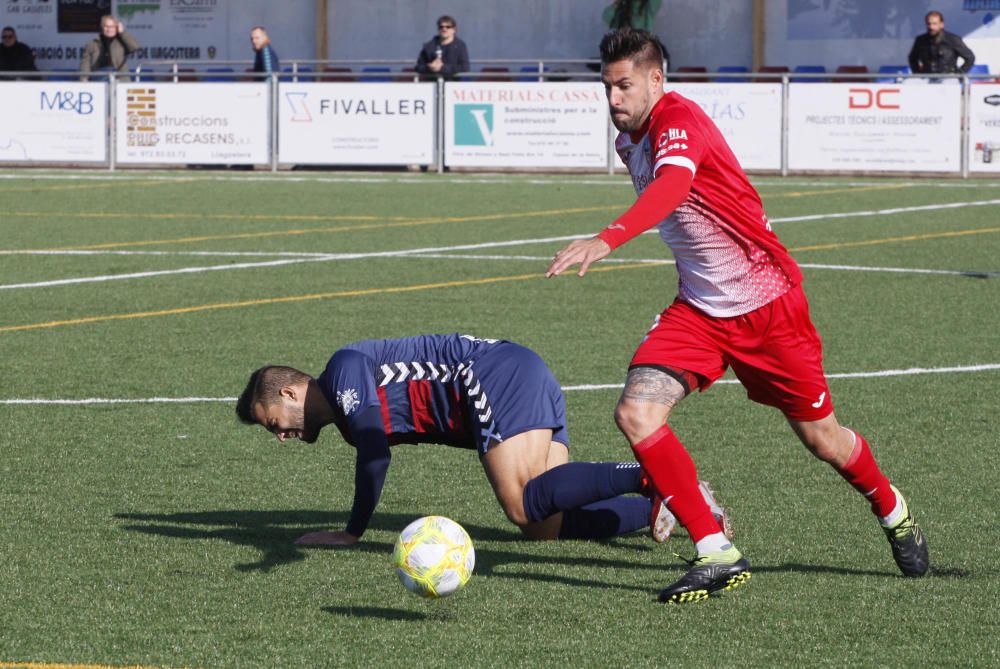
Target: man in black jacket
x=445 y=55
x=15 y=56
x=937 y=51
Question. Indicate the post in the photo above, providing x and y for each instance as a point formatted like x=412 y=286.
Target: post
x=272 y=90
x=966 y=116
x=784 y=125
x=439 y=131
x=322 y=29
x=112 y=142
x=759 y=34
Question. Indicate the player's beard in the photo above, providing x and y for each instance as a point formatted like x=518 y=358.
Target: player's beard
x=631 y=122
x=310 y=431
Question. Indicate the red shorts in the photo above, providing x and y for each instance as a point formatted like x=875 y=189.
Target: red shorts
x=774 y=351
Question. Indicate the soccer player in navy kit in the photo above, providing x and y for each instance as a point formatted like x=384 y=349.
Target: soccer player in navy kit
x=494 y=396
x=739 y=304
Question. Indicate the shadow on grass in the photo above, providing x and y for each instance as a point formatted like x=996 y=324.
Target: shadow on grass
x=273 y=533
x=374 y=612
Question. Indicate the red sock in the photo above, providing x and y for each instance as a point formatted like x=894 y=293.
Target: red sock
x=863 y=473
x=668 y=464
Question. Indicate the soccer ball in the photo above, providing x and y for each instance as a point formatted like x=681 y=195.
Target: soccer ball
x=434 y=557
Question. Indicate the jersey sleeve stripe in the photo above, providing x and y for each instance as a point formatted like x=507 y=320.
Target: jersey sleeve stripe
x=680 y=161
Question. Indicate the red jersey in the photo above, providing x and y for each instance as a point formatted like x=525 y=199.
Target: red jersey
x=729 y=260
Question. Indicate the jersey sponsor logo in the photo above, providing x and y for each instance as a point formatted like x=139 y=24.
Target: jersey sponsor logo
x=672 y=134
x=616 y=226
x=348 y=400
x=676 y=146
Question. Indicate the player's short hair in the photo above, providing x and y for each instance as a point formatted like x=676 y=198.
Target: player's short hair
x=260 y=28
x=642 y=47
x=264 y=388
x=444 y=18
x=936 y=13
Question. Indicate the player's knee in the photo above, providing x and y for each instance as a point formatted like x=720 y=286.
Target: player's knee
x=829 y=444
x=638 y=420
x=515 y=513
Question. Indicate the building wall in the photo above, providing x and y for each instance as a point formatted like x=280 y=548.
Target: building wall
x=710 y=33
x=696 y=32
x=871 y=32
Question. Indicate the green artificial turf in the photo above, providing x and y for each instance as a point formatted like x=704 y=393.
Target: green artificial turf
x=161 y=534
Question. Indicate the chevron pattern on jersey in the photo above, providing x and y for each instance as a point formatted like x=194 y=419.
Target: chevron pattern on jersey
x=400 y=372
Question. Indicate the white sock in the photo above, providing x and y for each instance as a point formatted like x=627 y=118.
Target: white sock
x=713 y=543
x=895 y=515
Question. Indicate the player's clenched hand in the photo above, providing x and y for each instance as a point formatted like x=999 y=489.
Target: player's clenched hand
x=583 y=251
x=326 y=539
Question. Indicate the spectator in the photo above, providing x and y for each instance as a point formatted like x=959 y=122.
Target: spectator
x=265 y=59
x=632 y=14
x=444 y=55
x=15 y=56
x=110 y=50
x=937 y=50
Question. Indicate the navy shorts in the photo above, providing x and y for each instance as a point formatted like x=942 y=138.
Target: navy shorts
x=510 y=390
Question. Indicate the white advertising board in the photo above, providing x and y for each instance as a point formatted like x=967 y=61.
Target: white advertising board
x=356 y=124
x=500 y=124
x=749 y=116
x=211 y=124
x=59 y=121
x=875 y=127
x=984 y=128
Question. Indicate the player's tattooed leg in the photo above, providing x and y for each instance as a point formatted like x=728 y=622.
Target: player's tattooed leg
x=648 y=384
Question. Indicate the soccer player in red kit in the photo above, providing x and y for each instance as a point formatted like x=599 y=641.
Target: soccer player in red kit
x=740 y=304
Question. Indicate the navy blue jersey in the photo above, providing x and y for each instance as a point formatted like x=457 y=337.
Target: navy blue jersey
x=445 y=389
x=417 y=383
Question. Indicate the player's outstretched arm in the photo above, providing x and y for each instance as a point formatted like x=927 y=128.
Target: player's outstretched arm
x=583 y=251
x=370 y=469
x=668 y=190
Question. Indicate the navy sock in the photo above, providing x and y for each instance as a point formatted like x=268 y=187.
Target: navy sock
x=575 y=484
x=606 y=519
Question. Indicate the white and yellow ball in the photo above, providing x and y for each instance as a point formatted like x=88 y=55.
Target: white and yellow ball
x=434 y=557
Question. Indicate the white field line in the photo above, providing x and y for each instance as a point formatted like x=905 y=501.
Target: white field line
x=913 y=371
x=585 y=180
x=202 y=254
x=294 y=261
x=885 y=212
x=663 y=261
x=424 y=251
x=483 y=178
x=145 y=275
